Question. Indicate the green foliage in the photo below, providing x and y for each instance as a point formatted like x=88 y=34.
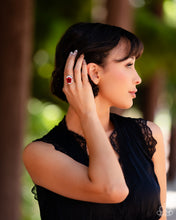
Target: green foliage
x=59 y=13
x=29 y=208
x=159 y=42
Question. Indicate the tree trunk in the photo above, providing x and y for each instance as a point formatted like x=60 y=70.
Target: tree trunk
x=151 y=91
x=16 y=34
x=120 y=13
x=156 y=7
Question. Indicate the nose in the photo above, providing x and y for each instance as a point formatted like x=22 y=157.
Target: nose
x=137 y=78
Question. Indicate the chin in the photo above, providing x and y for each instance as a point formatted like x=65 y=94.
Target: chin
x=129 y=106
x=123 y=106
x=126 y=107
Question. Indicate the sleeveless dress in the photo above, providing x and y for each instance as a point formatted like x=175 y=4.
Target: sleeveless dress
x=133 y=141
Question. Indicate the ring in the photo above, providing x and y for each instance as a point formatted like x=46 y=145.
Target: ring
x=69 y=79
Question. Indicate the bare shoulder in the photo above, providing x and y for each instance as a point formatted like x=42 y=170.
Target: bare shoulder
x=37 y=144
x=159 y=155
x=36 y=152
x=36 y=147
x=156 y=131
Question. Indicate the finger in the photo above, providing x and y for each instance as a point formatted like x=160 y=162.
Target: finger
x=77 y=70
x=68 y=70
x=84 y=72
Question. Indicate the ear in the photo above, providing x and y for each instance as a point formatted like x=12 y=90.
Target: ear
x=93 y=71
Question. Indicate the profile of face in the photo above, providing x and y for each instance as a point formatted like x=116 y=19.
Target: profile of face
x=110 y=53
x=118 y=78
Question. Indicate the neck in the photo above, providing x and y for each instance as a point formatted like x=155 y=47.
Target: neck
x=103 y=112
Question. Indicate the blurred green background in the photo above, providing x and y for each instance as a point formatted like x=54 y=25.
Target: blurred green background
x=52 y=18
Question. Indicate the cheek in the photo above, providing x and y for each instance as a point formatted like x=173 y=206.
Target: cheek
x=117 y=80
x=119 y=76
x=111 y=85
x=115 y=88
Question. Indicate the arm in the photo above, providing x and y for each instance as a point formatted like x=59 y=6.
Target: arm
x=159 y=161
x=61 y=174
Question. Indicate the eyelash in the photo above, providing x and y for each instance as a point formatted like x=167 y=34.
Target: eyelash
x=130 y=64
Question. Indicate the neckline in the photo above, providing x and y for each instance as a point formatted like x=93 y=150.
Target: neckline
x=80 y=141
x=81 y=138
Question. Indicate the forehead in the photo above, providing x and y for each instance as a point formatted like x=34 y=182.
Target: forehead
x=121 y=50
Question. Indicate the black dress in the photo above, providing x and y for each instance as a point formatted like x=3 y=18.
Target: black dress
x=133 y=141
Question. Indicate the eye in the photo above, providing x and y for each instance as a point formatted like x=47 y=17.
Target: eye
x=130 y=64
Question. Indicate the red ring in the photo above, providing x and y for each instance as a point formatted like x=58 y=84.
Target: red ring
x=69 y=79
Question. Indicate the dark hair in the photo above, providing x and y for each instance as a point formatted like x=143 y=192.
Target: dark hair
x=94 y=40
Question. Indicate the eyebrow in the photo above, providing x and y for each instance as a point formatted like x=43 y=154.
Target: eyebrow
x=125 y=58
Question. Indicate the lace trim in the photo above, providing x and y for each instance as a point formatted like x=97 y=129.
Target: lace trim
x=34 y=191
x=114 y=141
x=82 y=142
x=148 y=137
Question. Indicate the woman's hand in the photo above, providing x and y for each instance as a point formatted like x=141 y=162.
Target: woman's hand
x=79 y=92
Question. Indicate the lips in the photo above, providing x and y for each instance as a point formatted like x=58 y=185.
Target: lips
x=133 y=93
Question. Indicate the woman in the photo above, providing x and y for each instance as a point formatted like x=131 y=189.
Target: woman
x=95 y=164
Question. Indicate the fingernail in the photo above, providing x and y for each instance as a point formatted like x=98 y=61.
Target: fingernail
x=75 y=52
x=84 y=61
x=71 y=53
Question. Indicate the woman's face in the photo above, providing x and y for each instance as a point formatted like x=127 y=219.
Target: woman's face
x=118 y=79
